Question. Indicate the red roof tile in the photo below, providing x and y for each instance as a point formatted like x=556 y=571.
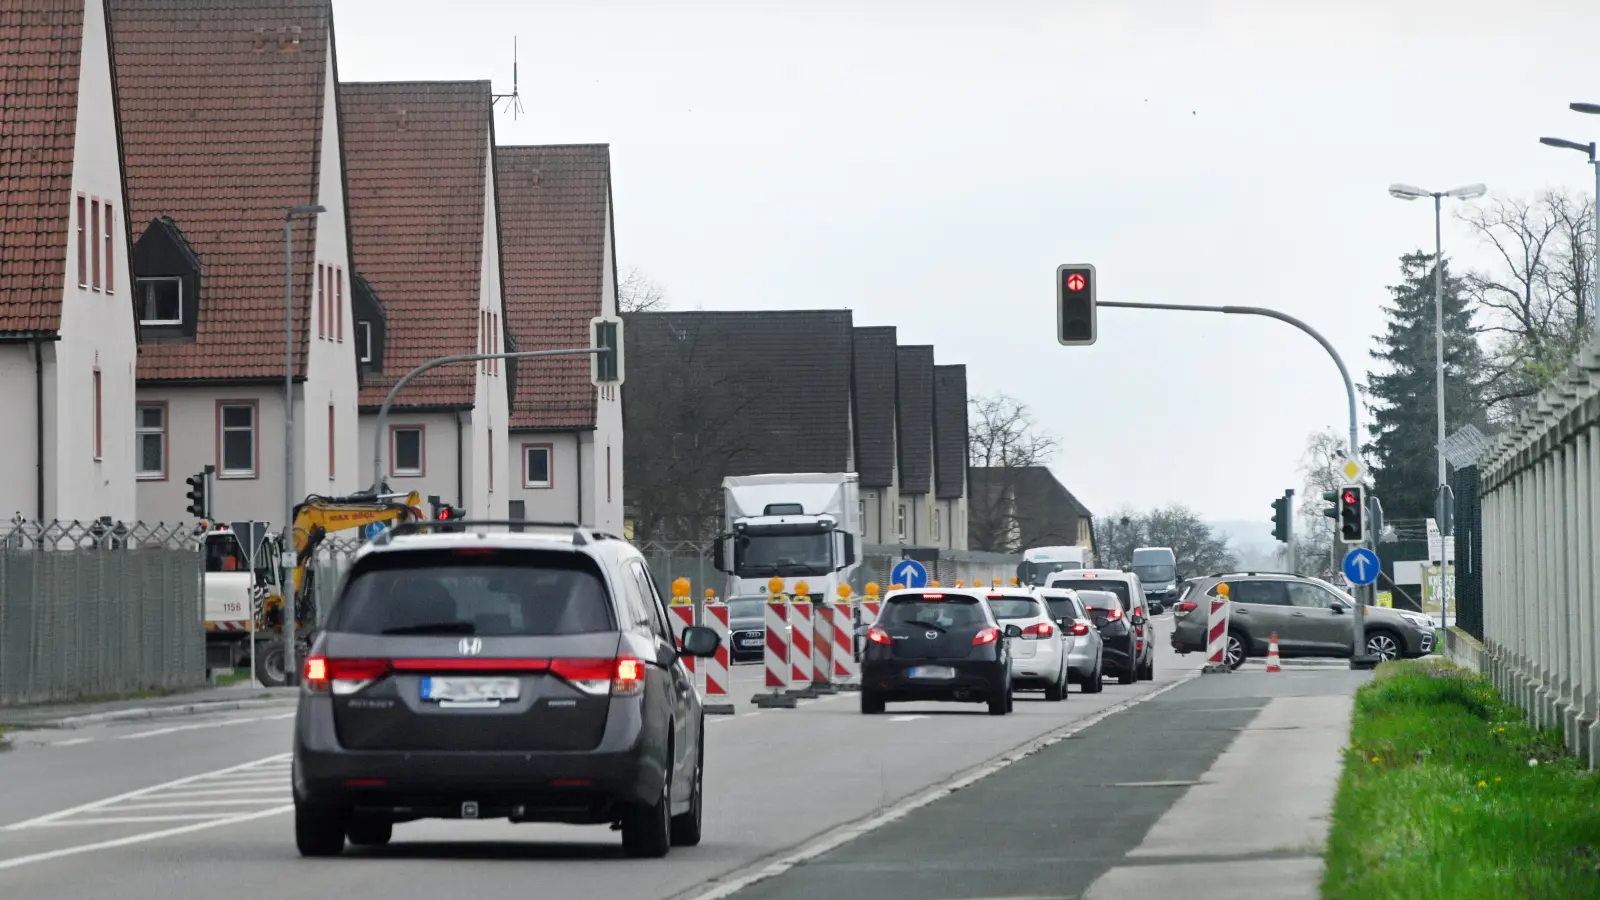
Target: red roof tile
x=552 y=237
x=221 y=105
x=416 y=161
x=40 y=45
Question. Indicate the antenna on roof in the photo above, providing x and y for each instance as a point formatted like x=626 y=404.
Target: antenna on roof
x=515 y=100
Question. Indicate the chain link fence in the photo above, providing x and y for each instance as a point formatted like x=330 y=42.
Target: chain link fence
x=98 y=609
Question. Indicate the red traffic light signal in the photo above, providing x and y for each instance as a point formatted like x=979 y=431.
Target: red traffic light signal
x=1351 y=498
x=1075 y=305
x=444 y=513
x=1076 y=282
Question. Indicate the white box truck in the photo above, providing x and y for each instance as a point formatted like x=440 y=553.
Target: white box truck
x=796 y=526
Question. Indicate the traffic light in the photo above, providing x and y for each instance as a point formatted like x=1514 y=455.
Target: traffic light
x=199 y=503
x=1332 y=497
x=1075 y=307
x=446 y=513
x=1353 y=514
x=1280 y=519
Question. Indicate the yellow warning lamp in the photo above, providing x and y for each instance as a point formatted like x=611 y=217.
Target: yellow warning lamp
x=934 y=583
x=680 y=587
x=1013 y=581
x=872 y=589
x=844 y=592
x=1222 y=591
x=897 y=586
x=775 y=586
x=958 y=583
x=801 y=589
x=996 y=582
x=711 y=594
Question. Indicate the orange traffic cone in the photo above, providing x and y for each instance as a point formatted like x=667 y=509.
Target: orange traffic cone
x=1272 y=654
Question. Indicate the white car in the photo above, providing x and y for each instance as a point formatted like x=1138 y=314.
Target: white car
x=1038 y=650
x=1085 y=650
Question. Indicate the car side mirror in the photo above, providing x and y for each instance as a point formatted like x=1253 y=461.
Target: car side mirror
x=1013 y=631
x=700 y=641
x=719 y=555
x=1137 y=619
x=1338 y=606
x=1064 y=622
x=849 y=550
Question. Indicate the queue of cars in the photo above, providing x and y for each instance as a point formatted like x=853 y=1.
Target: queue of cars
x=980 y=645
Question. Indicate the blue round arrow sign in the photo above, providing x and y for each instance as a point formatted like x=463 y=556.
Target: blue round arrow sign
x=1361 y=566
x=910 y=573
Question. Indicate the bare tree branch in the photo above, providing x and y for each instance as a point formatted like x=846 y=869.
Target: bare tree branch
x=1003 y=441
x=637 y=293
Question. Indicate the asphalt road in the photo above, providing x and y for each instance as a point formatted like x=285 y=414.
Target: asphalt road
x=198 y=807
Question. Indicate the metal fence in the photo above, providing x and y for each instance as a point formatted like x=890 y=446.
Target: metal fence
x=1541 y=541
x=98 y=609
x=692 y=560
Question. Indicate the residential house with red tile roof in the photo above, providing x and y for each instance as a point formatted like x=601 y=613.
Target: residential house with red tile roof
x=67 y=336
x=229 y=115
x=424 y=222
x=560 y=266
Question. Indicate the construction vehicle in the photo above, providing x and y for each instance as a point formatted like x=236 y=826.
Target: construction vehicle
x=229 y=579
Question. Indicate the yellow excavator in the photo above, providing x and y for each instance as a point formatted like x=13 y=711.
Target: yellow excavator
x=314 y=519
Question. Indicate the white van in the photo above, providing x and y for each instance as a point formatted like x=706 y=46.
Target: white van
x=1038 y=562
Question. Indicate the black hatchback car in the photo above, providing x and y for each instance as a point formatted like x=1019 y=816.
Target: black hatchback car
x=475 y=675
x=936 y=645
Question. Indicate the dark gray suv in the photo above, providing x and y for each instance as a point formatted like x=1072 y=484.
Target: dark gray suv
x=476 y=675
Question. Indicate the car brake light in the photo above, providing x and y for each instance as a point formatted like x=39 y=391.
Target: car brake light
x=1080 y=627
x=620 y=677
x=476 y=551
x=986 y=636
x=878 y=636
x=933 y=596
x=1040 y=630
x=997 y=596
x=343 y=676
x=1114 y=613
x=1188 y=606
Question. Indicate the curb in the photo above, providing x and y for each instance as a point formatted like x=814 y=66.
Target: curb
x=155 y=712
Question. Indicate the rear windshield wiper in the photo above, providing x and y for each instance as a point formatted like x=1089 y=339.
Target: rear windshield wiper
x=935 y=626
x=434 y=628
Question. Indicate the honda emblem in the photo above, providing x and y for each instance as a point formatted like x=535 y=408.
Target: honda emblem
x=471 y=646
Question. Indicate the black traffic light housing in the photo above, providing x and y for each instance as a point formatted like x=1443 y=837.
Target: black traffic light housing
x=1280 y=518
x=1353 y=514
x=1331 y=497
x=200 y=493
x=1075 y=305
x=444 y=512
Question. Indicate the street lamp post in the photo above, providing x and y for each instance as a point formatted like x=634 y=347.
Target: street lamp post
x=1592 y=109
x=286 y=562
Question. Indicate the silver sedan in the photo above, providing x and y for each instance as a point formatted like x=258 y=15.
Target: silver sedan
x=1085 y=650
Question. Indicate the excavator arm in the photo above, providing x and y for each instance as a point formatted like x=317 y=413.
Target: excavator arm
x=318 y=517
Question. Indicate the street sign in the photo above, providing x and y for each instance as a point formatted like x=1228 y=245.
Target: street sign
x=374 y=529
x=910 y=573
x=1361 y=566
x=1353 y=472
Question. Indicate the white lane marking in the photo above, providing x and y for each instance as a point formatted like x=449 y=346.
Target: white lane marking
x=186 y=804
x=174 y=729
x=131 y=820
x=48 y=855
x=72 y=742
x=905 y=718
x=849 y=832
x=275 y=788
x=141 y=792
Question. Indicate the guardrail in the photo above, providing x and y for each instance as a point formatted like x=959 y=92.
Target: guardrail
x=1541 y=544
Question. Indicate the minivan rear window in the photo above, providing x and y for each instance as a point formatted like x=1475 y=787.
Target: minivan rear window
x=1062 y=608
x=1110 y=585
x=1014 y=607
x=497 y=593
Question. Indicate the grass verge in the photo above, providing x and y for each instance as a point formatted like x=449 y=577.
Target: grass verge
x=1447 y=794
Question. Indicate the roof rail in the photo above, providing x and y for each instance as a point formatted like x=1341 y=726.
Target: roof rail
x=459 y=526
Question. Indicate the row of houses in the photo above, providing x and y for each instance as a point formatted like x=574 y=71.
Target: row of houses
x=711 y=394
x=182 y=182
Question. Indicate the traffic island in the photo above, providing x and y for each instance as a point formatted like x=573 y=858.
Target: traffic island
x=1448 y=793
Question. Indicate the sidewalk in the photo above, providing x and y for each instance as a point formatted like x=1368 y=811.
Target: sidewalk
x=75 y=715
x=1256 y=825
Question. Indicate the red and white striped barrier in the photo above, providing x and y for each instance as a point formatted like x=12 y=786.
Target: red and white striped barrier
x=1217 y=632
x=775 y=655
x=716 y=669
x=846 y=673
x=822 y=649
x=682 y=613
x=801 y=637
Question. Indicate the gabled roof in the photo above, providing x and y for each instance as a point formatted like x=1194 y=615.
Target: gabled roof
x=222 y=111
x=1044 y=511
x=950 y=431
x=874 y=384
x=40 y=49
x=554 y=206
x=914 y=416
x=782 y=379
x=416 y=162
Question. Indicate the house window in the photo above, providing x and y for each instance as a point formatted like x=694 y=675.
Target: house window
x=111 y=266
x=338 y=302
x=405 y=450
x=236 y=438
x=331 y=464
x=608 y=473
x=536 y=466
x=94 y=253
x=900 y=521
x=160 y=300
x=99 y=417
x=364 y=341
x=322 y=310
x=861 y=510
x=150 y=435
x=934 y=523
x=83 y=241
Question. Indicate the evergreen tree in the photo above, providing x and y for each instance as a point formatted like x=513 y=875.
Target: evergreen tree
x=1402 y=396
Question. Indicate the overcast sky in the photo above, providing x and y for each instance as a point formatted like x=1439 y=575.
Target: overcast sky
x=929 y=164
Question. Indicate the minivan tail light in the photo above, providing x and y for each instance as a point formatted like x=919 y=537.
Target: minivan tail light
x=343 y=676
x=1188 y=606
x=986 y=636
x=1037 y=631
x=1080 y=627
x=620 y=677
x=879 y=636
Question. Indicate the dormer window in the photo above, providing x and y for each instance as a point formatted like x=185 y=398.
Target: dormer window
x=364 y=341
x=371 y=325
x=160 y=300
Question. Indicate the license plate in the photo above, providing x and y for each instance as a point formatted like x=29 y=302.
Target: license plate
x=750 y=642
x=932 y=672
x=470 y=690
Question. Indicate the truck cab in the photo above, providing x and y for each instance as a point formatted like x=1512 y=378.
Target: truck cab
x=798 y=527
x=1038 y=562
x=1157 y=567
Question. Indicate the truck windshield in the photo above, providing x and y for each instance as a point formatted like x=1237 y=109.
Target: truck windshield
x=784 y=554
x=223 y=554
x=1156 y=574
